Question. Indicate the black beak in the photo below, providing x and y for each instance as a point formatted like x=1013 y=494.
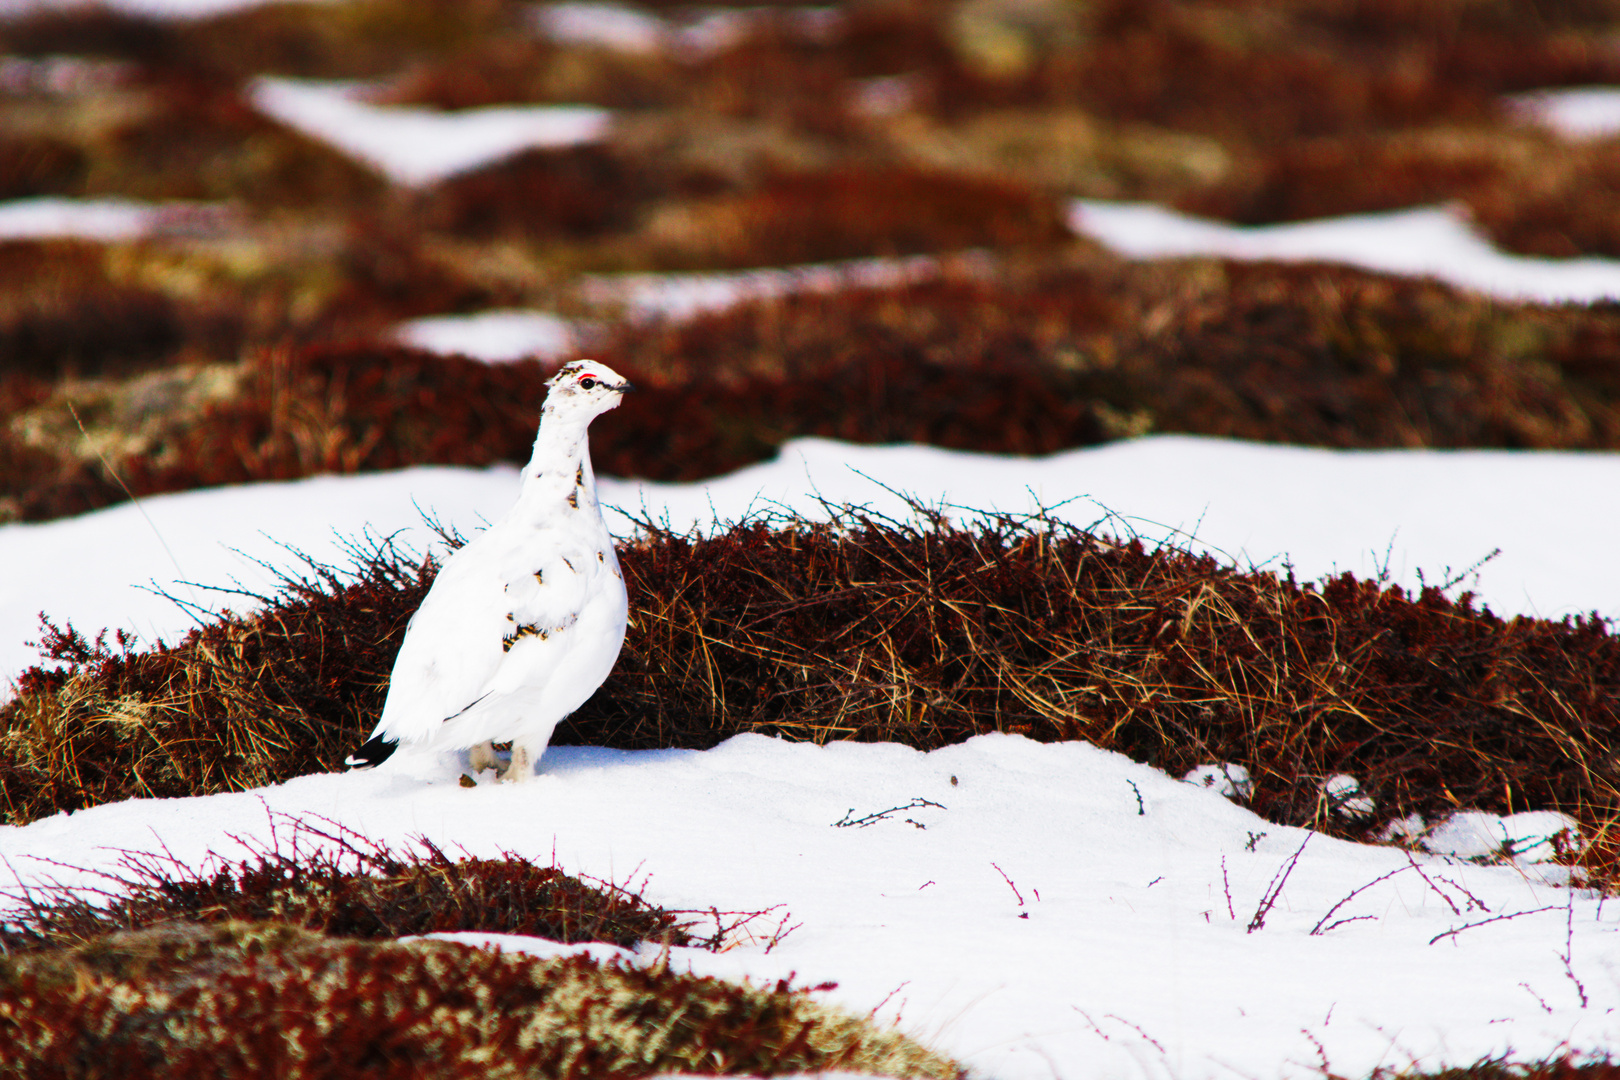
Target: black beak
x=625 y=387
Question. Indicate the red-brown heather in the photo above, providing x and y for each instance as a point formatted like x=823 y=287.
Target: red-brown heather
x=322 y=877
x=1034 y=357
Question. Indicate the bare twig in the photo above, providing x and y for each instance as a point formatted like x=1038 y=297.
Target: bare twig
x=1141 y=809
x=1546 y=1008
x=1483 y=922
x=846 y=822
x=1010 y=884
x=1432 y=886
x=1269 y=898
x=1569 y=946
x=1157 y=1045
x=1473 y=901
x=1318 y=928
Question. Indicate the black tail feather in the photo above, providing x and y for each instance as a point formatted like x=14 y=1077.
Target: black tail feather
x=376 y=751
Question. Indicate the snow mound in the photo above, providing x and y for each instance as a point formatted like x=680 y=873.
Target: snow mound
x=1529 y=837
x=1058 y=909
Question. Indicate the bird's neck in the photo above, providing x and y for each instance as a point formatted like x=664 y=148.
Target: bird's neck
x=559 y=473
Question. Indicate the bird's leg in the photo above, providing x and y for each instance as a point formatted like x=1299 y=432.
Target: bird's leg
x=521 y=767
x=483 y=757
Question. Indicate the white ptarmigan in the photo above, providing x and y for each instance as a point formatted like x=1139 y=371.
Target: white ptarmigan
x=525 y=620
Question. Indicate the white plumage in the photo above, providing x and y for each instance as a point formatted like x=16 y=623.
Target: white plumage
x=525 y=621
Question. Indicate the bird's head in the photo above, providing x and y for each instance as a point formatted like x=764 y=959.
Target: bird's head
x=585 y=386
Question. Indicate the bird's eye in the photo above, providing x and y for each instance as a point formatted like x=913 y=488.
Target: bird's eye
x=588 y=383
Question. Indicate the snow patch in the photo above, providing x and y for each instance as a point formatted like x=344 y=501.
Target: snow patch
x=54 y=218
x=491 y=336
x=1580 y=112
x=422 y=146
x=684 y=296
x=1430 y=241
x=59 y=75
x=1394 y=511
x=1343 y=793
x=611 y=26
x=1528 y=837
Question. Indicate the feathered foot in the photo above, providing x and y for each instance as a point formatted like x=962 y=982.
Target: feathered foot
x=483 y=757
x=521 y=768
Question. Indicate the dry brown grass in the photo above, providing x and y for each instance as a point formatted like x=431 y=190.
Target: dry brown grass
x=929 y=635
x=286 y=962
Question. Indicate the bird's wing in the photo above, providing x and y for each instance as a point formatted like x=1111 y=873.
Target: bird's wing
x=545 y=593
x=483 y=625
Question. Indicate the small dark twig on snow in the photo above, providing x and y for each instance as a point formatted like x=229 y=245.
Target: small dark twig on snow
x=1014 y=888
x=1273 y=891
x=1569 y=943
x=1499 y=918
x=1319 y=929
x=1432 y=886
x=847 y=822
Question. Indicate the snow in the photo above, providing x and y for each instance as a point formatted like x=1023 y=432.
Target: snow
x=91 y=219
x=422 y=146
x=611 y=26
x=684 y=296
x=163 y=9
x=1534 y=836
x=1430 y=241
x=494 y=336
x=1061 y=910
x=1325 y=511
x=1581 y=112
x=696 y=33
x=1343 y=793
x=1228 y=780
